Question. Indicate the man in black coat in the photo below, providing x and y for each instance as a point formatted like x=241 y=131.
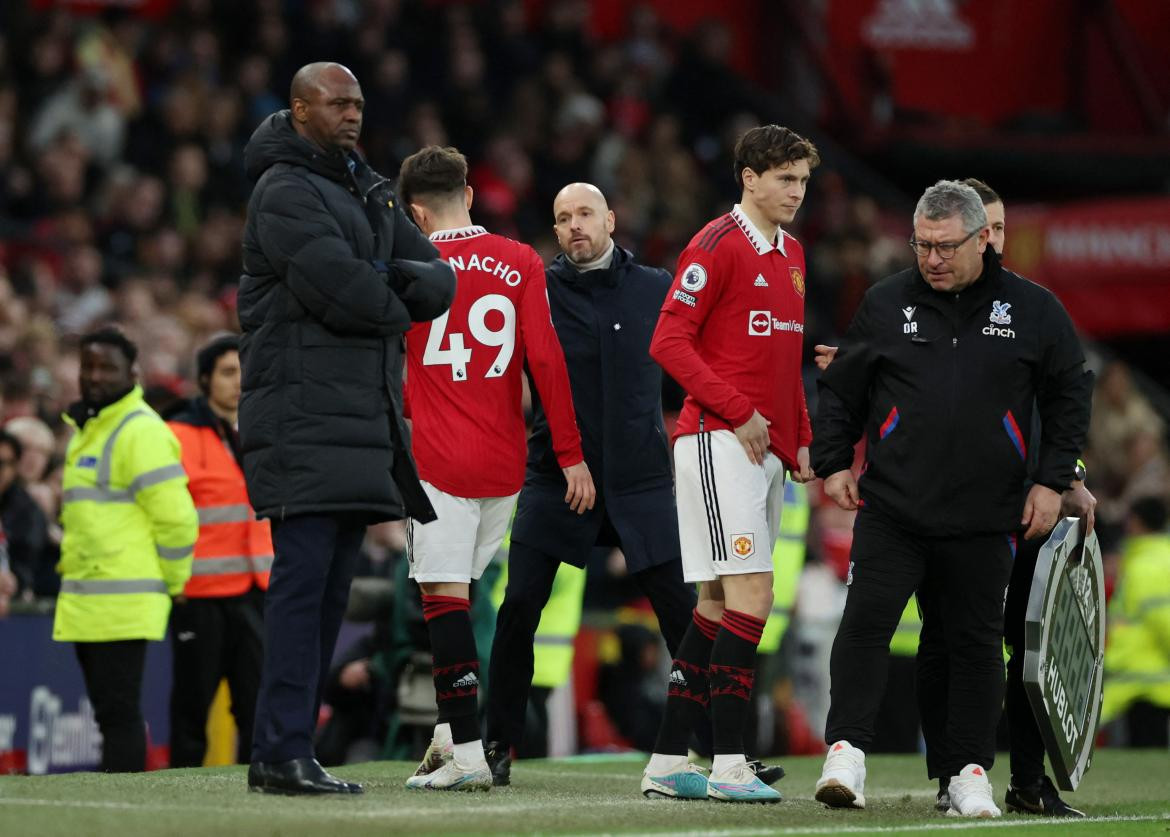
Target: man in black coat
x=604 y=306
x=941 y=368
x=334 y=275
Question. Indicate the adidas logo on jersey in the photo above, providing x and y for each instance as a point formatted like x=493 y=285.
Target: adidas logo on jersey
x=761 y=282
x=466 y=681
x=677 y=678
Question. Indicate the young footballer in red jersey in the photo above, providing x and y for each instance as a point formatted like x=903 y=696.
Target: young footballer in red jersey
x=463 y=389
x=730 y=333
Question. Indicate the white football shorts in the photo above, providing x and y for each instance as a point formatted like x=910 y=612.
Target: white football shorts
x=462 y=542
x=728 y=508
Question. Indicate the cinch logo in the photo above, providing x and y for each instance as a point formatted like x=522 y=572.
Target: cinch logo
x=996 y=331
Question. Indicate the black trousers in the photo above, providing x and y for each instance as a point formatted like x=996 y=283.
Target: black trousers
x=213 y=639
x=113 y=679
x=961 y=584
x=316 y=556
x=1026 y=744
x=530 y=579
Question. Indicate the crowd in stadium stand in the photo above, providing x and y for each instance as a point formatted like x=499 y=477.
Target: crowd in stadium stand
x=122 y=190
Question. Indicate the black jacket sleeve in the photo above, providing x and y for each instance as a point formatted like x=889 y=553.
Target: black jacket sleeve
x=843 y=396
x=427 y=283
x=304 y=243
x=1063 y=394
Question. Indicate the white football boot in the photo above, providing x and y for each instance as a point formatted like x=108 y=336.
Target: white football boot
x=971 y=794
x=842 y=782
x=454 y=776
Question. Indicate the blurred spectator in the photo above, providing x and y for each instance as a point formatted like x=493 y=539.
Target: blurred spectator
x=82 y=108
x=1119 y=411
x=38 y=448
x=1137 y=647
x=23 y=521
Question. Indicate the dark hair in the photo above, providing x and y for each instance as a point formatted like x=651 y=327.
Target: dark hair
x=768 y=146
x=985 y=192
x=432 y=171
x=1150 y=512
x=7 y=438
x=211 y=352
x=111 y=335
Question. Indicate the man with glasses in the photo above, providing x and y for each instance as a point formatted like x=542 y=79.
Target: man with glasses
x=941 y=367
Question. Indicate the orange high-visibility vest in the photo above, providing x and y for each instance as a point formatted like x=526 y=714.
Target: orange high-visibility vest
x=234 y=549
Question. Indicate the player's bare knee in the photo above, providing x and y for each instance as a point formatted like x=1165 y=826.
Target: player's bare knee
x=749 y=593
x=456 y=589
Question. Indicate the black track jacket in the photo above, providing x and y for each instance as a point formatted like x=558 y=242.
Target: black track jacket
x=943 y=385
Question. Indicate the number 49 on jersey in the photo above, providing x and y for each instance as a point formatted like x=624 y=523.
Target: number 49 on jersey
x=480 y=322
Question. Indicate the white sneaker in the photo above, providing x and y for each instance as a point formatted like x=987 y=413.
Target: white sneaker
x=842 y=782
x=971 y=794
x=435 y=757
x=454 y=776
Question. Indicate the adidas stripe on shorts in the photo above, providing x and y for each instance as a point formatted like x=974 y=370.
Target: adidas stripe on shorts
x=462 y=542
x=728 y=508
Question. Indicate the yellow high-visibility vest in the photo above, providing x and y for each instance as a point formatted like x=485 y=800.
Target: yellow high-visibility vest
x=1137 y=645
x=129 y=526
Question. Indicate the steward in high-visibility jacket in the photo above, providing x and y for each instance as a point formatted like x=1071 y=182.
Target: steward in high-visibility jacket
x=233 y=553
x=217 y=626
x=129 y=525
x=1137 y=647
x=129 y=533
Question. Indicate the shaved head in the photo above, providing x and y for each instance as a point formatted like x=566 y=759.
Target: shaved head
x=310 y=78
x=327 y=105
x=582 y=221
x=577 y=192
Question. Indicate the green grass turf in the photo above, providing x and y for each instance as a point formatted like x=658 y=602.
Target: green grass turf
x=573 y=796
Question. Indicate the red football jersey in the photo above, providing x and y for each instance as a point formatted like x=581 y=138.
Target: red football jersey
x=463 y=383
x=731 y=330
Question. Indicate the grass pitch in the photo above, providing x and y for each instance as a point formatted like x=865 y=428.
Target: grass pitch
x=1126 y=793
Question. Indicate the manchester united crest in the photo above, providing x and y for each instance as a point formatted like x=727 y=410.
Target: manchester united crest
x=744 y=546
x=797 y=280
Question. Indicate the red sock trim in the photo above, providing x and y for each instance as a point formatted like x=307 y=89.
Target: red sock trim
x=706 y=627
x=743 y=625
x=436 y=606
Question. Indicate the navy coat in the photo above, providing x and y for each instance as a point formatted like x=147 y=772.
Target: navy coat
x=605 y=319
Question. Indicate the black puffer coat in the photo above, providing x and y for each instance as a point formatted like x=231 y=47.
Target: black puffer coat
x=334 y=274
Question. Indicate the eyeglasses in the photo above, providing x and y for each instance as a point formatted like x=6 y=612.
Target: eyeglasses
x=945 y=250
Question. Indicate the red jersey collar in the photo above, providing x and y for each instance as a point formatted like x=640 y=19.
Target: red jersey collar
x=761 y=242
x=458 y=233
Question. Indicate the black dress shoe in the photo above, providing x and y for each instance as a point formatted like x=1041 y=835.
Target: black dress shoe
x=299 y=776
x=499 y=759
x=769 y=774
x=1039 y=798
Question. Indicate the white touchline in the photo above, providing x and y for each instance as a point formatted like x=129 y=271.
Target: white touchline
x=897 y=829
